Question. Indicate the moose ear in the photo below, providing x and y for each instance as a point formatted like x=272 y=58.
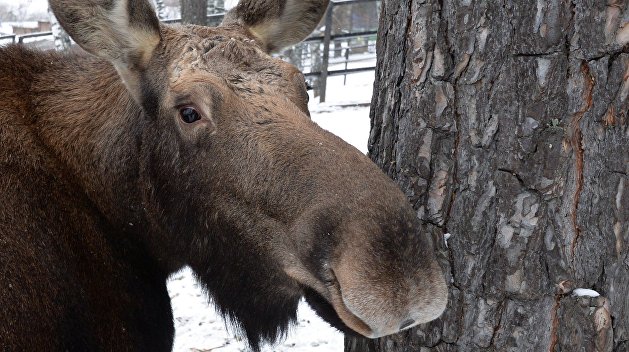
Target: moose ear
x=278 y=23
x=124 y=32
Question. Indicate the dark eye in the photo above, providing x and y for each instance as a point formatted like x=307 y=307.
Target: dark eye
x=189 y=115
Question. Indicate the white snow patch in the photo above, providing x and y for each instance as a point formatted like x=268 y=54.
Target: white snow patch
x=585 y=292
x=5 y=28
x=230 y=3
x=199 y=328
x=352 y=125
x=446 y=237
x=357 y=89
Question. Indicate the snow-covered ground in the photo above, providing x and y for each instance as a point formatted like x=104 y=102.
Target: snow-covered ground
x=198 y=327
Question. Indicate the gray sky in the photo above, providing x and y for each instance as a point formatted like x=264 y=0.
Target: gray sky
x=41 y=6
x=30 y=6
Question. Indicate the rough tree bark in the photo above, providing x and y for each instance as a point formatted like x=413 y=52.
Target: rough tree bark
x=507 y=125
x=194 y=12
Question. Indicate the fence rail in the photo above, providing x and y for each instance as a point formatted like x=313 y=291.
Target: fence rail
x=324 y=40
x=13 y=37
x=21 y=38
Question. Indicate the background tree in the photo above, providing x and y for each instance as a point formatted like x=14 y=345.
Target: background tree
x=160 y=9
x=215 y=6
x=506 y=124
x=61 y=38
x=5 y=13
x=194 y=12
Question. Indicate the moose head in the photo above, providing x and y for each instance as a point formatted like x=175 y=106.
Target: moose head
x=229 y=175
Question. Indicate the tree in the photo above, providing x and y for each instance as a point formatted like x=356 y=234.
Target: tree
x=61 y=38
x=194 y=12
x=215 y=6
x=160 y=9
x=506 y=124
x=5 y=13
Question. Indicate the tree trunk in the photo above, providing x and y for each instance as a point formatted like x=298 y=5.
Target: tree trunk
x=194 y=12
x=506 y=123
x=215 y=6
x=60 y=37
x=160 y=9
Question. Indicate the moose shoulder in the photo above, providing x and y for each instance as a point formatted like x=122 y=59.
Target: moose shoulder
x=184 y=145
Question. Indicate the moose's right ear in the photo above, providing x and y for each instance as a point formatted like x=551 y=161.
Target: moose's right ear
x=278 y=23
x=124 y=32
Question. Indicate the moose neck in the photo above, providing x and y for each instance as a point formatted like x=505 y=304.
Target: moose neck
x=90 y=122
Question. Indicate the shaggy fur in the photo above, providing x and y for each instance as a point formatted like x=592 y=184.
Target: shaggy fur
x=106 y=191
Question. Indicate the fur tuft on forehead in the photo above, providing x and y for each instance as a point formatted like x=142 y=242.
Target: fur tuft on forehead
x=201 y=47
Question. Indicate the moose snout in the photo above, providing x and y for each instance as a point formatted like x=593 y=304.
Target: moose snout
x=382 y=327
x=383 y=287
x=387 y=309
x=375 y=274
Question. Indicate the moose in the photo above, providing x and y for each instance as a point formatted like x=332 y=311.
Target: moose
x=158 y=147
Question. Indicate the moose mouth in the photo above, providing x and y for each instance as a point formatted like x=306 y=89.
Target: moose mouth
x=327 y=312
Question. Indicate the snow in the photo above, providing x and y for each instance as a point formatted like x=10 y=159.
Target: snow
x=351 y=124
x=446 y=237
x=197 y=325
x=5 y=28
x=585 y=292
x=357 y=89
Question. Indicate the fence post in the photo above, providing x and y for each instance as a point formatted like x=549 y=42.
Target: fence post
x=323 y=80
x=349 y=47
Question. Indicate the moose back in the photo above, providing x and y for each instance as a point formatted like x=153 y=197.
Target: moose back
x=168 y=146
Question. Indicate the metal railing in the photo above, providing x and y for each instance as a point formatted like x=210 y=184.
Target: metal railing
x=327 y=39
x=12 y=37
x=23 y=38
x=320 y=72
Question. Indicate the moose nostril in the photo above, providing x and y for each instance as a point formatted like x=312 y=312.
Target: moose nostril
x=407 y=323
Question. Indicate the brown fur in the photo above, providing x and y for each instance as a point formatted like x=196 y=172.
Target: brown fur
x=105 y=191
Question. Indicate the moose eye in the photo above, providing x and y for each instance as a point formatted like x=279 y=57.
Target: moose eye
x=189 y=115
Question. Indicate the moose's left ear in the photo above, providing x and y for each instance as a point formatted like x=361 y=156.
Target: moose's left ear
x=278 y=23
